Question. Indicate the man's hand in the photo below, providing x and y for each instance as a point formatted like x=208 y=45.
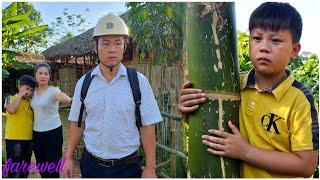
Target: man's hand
x=68 y=170
x=190 y=98
x=225 y=144
x=149 y=173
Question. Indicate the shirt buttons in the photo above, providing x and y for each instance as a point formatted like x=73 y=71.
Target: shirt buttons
x=253 y=103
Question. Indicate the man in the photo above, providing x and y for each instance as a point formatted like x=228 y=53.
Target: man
x=111 y=136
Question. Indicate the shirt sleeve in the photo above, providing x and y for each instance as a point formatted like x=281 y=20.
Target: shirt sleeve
x=7 y=101
x=76 y=103
x=57 y=90
x=53 y=92
x=150 y=113
x=302 y=132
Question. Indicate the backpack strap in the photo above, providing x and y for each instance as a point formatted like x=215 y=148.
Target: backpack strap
x=134 y=83
x=84 y=89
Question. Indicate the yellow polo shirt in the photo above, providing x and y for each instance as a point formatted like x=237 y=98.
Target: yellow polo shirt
x=283 y=119
x=19 y=124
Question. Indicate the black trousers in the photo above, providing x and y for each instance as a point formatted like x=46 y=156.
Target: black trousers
x=18 y=153
x=47 y=148
x=90 y=168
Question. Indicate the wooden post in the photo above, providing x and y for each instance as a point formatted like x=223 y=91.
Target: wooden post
x=84 y=64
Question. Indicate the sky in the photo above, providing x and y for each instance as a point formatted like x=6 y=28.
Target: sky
x=309 y=10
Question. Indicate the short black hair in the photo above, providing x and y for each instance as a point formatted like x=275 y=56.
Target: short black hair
x=28 y=81
x=275 y=16
x=39 y=65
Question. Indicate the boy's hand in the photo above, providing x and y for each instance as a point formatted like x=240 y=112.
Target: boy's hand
x=190 y=98
x=22 y=92
x=225 y=144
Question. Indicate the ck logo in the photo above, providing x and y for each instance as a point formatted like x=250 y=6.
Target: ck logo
x=109 y=25
x=269 y=121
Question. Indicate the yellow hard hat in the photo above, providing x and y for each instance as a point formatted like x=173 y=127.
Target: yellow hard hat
x=111 y=25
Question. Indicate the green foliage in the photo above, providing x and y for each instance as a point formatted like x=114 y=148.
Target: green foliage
x=243 y=49
x=32 y=18
x=17 y=27
x=9 y=61
x=305 y=69
x=67 y=26
x=156 y=28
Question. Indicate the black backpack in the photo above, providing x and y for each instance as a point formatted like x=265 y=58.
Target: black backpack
x=134 y=84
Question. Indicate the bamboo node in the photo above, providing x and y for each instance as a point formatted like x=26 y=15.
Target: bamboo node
x=223 y=96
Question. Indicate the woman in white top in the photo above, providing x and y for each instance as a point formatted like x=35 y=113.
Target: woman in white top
x=47 y=129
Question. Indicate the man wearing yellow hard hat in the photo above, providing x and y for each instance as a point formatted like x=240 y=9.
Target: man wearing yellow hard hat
x=108 y=112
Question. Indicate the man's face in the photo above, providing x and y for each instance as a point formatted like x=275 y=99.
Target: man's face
x=26 y=91
x=110 y=49
x=270 y=52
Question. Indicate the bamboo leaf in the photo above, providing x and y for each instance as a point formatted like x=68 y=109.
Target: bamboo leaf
x=17 y=18
x=5 y=73
x=14 y=9
x=31 y=31
x=169 y=11
x=19 y=25
x=144 y=14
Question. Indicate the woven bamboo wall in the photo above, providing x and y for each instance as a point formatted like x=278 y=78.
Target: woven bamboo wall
x=166 y=83
x=67 y=80
x=162 y=78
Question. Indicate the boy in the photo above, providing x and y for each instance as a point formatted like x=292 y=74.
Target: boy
x=18 y=132
x=278 y=121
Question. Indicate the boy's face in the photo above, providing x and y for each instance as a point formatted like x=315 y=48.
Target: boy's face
x=26 y=91
x=270 y=52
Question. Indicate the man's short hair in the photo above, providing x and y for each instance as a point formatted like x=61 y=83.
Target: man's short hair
x=275 y=16
x=27 y=80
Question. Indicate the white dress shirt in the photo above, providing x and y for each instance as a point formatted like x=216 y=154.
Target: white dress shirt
x=110 y=126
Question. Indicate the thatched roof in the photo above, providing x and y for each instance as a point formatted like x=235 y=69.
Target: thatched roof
x=30 y=58
x=77 y=46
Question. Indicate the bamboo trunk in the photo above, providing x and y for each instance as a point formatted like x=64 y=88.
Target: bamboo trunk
x=212 y=65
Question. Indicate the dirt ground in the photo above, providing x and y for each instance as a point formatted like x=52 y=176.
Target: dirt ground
x=65 y=125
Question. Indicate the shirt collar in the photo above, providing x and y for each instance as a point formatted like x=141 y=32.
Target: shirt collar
x=282 y=88
x=248 y=80
x=122 y=71
x=278 y=90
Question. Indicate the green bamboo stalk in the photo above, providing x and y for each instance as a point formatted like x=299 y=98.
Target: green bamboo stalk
x=171 y=117
x=163 y=164
x=170 y=150
x=212 y=65
x=163 y=175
